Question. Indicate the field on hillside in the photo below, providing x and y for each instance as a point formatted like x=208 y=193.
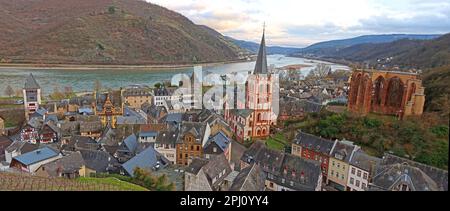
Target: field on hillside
x=23 y=182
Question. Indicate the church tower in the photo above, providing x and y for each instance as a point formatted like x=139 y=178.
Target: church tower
x=259 y=90
x=31 y=95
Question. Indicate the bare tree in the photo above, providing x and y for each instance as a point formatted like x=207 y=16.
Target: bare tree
x=9 y=91
x=321 y=71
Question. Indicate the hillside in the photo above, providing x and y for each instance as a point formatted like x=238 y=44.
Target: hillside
x=105 y=32
x=253 y=47
x=405 y=53
x=335 y=46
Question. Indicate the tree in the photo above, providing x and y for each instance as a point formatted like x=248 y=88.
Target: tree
x=97 y=86
x=112 y=9
x=321 y=71
x=9 y=91
x=146 y=179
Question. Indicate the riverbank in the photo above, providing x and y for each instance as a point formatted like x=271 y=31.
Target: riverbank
x=26 y=66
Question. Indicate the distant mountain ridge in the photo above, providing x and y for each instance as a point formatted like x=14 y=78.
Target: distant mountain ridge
x=105 y=32
x=330 y=47
x=406 y=53
x=253 y=47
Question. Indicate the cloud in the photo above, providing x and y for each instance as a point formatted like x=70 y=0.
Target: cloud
x=304 y=22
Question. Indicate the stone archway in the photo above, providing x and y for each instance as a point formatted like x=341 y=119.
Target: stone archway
x=394 y=95
x=354 y=89
x=378 y=92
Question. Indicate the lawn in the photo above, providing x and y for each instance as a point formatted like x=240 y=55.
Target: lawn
x=121 y=185
x=278 y=142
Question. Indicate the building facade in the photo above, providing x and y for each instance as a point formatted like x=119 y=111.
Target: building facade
x=339 y=164
x=31 y=95
x=134 y=97
x=311 y=147
x=384 y=92
x=190 y=141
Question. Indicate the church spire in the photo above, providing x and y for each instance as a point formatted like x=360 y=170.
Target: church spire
x=261 y=61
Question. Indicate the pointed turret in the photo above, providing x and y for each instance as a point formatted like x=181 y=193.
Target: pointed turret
x=31 y=83
x=261 y=61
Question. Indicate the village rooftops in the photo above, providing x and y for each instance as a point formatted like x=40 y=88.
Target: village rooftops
x=167 y=137
x=299 y=174
x=314 y=143
x=37 y=156
x=31 y=83
x=220 y=140
x=149 y=159
x=270 y=160
x=99 y=161
x=130 y=92
x=343 y=150
x=216 y=169
x=70 y=163
x=251 y=178
x=439 y=176
x=196 y=129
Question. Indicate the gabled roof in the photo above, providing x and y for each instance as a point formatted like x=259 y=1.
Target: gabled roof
x=67 y=164
x=221 y=140
x=21 y=146
x=131 y=142
x=343 y=150
x=31 y=83
x=36 y=156
x=148 y=159
x=197 y=129
x=212 y=168
x=314 y=143
x=167 y=137
x=261 y=61
x=270 y=160
x=364 y=161
x=99 y=161
x=251 y=178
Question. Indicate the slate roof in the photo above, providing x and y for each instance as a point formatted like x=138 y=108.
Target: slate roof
x=21 y=146
x=364 y=161
x=197 y=129
x=175 y=117
x=302 y=172
x=420 y=175
x=344 y=150
x=31 y=83
x=36 y=156
x=99 y=161
x=80 y=142
x=70 y=163
x=261 y=61
x=212 y=169
x=314 y=143
x=299 y=107
x=131 y=143
x=91 y=126
x=148 y=159
x=269 y=160
x=251 y=178
x=136 y=92
x=219 y=140
x=167 y=137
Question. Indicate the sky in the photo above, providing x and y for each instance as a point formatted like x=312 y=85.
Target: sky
x=299 y=23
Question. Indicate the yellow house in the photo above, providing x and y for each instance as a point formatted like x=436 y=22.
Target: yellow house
x=135 y=97
x=338 y=165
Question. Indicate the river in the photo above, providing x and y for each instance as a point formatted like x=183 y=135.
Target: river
x=83 y=80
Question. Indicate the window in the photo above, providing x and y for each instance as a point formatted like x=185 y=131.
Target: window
x=352 y=181
x=198 y=148
x=333 y=163
x=353 y=170
x=339 y=165
x=337 y=174
x=365 y=175
x=364 y=185
x=192 y=148
x=332 y=172
x=359 y=173
x=357 y=183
